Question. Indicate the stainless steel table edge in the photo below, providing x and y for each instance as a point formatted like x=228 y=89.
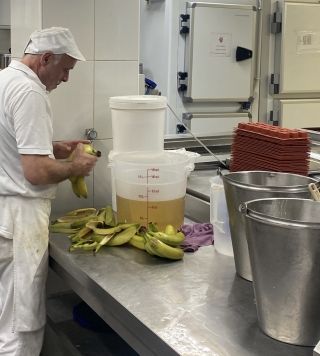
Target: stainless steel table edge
x=135 y=333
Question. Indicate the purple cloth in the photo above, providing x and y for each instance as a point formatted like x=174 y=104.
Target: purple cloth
x=197 y=235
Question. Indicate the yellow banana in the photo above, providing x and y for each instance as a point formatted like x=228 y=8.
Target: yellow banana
x=78 y=183
x=163 y=250
x=81 y=187
x=74 y=186
x=137 y=241
x=170 y=230
x=172 y=240
x=123 y=237
x=88 y=148
x=149 y=249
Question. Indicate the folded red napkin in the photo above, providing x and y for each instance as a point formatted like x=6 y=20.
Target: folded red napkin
x=197 y=235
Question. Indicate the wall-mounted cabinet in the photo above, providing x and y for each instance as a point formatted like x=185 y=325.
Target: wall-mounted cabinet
x=298 y=62
x=297 y=113
x=219 y=52
x=295 y=84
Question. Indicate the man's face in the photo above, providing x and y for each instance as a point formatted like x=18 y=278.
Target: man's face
x=55 y=69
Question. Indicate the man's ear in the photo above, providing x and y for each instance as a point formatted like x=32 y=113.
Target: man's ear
x=46 y=58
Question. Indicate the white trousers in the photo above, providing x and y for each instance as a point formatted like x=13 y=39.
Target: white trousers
x=13 y=343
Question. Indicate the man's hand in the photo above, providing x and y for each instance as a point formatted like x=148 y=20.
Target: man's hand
x=63 y=149
x=82 y=162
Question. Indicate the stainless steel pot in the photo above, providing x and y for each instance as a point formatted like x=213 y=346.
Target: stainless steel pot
x=284 y=246
x=244 y=186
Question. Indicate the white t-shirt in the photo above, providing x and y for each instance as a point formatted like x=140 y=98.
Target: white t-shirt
x=25 y=128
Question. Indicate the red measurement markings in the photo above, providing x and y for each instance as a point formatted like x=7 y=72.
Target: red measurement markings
x=151 y=174
x=153 y=190
x=152 y=207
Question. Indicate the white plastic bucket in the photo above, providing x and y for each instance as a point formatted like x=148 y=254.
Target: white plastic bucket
x=138 y=122
x=150 y=187
x=219 y=217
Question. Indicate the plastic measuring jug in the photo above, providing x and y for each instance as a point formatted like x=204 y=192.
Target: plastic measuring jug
x=151 y=187
x=219 y=217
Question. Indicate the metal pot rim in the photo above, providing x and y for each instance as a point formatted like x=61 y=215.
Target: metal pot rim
x=263 y=217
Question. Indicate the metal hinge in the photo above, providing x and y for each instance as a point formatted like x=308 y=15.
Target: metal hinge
x=186 y=123
x=276 y=23
x=186 y=119
x=184 y=23
x=274 y=83
x=182 y=80
x=273 y=119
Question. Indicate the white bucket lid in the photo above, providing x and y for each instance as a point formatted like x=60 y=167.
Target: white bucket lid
x=138 y=102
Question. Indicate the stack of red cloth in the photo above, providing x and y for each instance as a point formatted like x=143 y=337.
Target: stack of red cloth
x=262 y=147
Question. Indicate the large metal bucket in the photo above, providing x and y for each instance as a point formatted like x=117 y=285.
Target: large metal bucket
x=284 y=246
x=244 y=186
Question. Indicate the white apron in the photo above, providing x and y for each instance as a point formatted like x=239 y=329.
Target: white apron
x=27 y=219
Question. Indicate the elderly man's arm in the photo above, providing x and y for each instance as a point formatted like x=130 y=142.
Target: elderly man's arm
x=41 y=170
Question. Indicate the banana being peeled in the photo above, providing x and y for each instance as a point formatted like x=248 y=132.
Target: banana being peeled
x=78 y=183
x=79 y=187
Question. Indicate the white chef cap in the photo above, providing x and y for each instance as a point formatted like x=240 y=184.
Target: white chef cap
x=57 y=40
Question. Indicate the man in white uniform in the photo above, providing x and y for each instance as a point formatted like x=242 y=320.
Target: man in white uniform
x=29 y=172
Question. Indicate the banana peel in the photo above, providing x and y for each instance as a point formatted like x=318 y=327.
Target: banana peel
x=90 y=229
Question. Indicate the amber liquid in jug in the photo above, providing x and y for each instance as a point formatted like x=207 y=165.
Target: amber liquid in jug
x=143 y=212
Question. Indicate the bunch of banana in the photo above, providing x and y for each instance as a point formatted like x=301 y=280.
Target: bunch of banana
x=78 y=183
x=158 y=248
x=164 y=244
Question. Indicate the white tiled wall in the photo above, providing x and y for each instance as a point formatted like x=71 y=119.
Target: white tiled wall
x=72 y=103
x=112 y=78
x=116 y=30
x=25 y=18
x=107 y=32
x=78 y=16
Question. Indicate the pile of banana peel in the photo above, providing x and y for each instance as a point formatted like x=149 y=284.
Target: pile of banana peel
x=90 y=229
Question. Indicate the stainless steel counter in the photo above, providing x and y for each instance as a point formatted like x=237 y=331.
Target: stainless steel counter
x=197 y=306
